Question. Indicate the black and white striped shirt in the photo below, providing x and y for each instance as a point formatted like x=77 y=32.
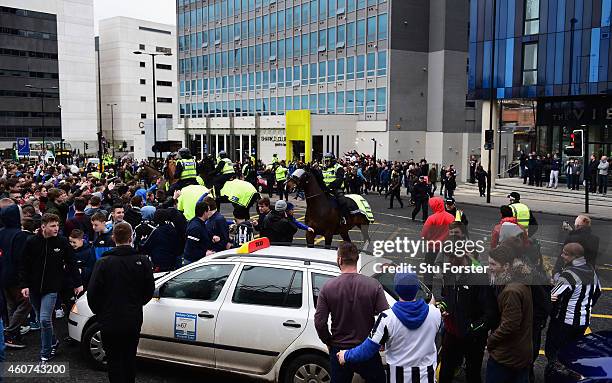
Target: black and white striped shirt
x=577 y=289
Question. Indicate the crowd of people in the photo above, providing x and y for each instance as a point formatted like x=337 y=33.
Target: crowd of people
x=538 y=170
x=66 y=230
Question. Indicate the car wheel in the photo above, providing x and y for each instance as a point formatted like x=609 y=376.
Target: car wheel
x=91 y=346
x=308 y=368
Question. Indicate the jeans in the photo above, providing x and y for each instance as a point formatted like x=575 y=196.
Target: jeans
x=372 y=371
x=558 y=335
x=44 y=305
x=554 y=179
x=18 y=310
x=603 y=184
x=498 y=373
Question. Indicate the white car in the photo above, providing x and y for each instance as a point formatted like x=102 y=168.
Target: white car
x=248 y=312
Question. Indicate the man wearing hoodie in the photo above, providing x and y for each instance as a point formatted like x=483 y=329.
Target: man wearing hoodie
x=12 y=243
x=508 y=223
x=145 y=227
x=407 y=331
x=162 y=246
x=353 y=300
x=510 y=345
x=435 y=231
x=102 y=240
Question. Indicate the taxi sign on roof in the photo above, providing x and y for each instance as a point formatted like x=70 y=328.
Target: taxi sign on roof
x=254 y=245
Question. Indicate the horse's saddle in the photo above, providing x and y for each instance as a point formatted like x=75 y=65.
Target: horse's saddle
x=356 y=204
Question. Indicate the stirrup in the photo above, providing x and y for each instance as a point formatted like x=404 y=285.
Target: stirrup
x=343 y=220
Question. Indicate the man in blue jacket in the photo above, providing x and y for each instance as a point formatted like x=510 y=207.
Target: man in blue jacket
x=162 y=245
x=217 y=226
x=198 y=239
x=12 y=242
x=102 y=241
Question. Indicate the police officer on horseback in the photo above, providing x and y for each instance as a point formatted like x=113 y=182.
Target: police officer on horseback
x=186 y=170
x=333 y=178
x=223 y=172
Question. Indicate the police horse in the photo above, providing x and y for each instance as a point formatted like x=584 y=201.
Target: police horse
x=323 y=214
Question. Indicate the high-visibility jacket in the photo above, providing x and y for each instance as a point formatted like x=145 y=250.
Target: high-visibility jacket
x=281 y=173
x=458 y=215
x=228 y=167
x=274 y=160
x=522 y=214
x=189 y=169
x=190 y=195
x=245 y=169
x=329 y=174
x=238 y=192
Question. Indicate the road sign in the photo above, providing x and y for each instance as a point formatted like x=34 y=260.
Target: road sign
x=23 y=146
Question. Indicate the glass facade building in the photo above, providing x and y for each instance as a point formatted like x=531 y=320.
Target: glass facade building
x=248 y=57
x=554 y=52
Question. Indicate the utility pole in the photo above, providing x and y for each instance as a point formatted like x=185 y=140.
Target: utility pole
x=491 y=100
x=112 y=127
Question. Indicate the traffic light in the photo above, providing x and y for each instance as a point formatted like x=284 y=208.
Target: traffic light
x=86 y=146
x=489 y=140
x=575 y=147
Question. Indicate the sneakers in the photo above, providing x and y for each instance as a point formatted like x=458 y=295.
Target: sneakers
x=59 y=313
x=54 y=348
x=45 y=360
x=34 y=326
x=24 y=330
x=14 y=343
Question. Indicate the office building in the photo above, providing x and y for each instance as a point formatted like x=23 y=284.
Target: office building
x=48 y=45
x=389 y=71
x=551 y=57
x=127 y=79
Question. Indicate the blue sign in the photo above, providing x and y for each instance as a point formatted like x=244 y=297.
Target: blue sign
x=185 y=326
x=23 y=146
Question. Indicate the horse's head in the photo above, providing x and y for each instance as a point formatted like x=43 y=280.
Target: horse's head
x=299 y=178
x=208 y=163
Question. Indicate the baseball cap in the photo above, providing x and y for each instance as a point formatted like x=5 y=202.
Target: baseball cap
x=514 y=195
x=280 y=205
x=449 y=200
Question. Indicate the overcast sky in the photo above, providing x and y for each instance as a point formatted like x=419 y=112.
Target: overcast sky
x=161 y=11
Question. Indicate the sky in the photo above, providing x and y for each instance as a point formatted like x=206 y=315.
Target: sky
x=161 y=11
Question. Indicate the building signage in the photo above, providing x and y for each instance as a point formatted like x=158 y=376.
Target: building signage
x=277 y=140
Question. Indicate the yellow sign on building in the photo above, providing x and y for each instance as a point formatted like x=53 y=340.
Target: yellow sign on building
x=299 y=138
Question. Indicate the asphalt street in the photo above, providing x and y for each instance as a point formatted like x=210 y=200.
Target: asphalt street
x=390 y=224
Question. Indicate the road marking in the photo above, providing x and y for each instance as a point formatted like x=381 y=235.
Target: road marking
x=606 y=288
x=604 y=268
x=604 y=316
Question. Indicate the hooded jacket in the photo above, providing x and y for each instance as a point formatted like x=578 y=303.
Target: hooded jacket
x=102 y=243
x=121 y=283
x=497 y=230
x=408 y=332
x=162 y=247
x=436 y=226
x=12 y=243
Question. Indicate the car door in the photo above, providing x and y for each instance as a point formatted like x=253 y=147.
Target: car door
x=264 y=313
x=180 y=325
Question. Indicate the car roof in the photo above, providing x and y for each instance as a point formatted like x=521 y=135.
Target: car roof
x=291 y=255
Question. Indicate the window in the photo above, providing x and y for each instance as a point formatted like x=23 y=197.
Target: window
x=143 y=99
x=322 y=103
x=530 y=64
x=143 y=115
x=350 y=68
x=266 y=286
x=141 y=47
x=361 y=31
x=305 y=74
x=350 y=7
x=313 y=74
x=143 y=81
x=532 y=17
x=331 y=103
x=318 y=280
x=203 y=283
x=281 y=78
x=370 y=100
x=341 y=34
x=331 y=39
x=314 y=6
x=164 y=100
x=350 y=101
x=382 y=26
x=331 y=71
x=382 y=63
x=170 y=116
x=331 y=8
x=163 y=66
x=340 y=102
x=359 y=101
x=142 y=64
x=340 y=69
x=164 y=83
x=371 y=29
x=360 y=66
x=371 y=64
x=322 y=9
x=322 y=72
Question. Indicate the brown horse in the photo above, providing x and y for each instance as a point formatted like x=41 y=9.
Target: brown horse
x=323 y=215
x=149 y=174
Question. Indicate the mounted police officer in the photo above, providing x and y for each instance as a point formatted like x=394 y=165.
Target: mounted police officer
x=523 y=215
x=223 y=172
x=185 y=172
x=333 y=178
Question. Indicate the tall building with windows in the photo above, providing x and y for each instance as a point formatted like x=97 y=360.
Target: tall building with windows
x=126 y=79
x=390 y=73
x=47 y=72
x=549 y=56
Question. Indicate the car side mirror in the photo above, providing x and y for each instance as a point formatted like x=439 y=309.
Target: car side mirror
x=156 y=294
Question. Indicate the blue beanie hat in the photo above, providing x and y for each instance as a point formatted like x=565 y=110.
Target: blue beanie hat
x=148 y=212
x=406 y=285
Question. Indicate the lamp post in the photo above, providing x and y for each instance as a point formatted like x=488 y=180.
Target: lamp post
x=153 y=55
x=375 y=143
x=112 y=126
x=491 y=100
x=42 y=108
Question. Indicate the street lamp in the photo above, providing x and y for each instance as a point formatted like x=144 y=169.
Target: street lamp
x=153 y=55
x=42 y=108
x=112 y=126
x=375 y=143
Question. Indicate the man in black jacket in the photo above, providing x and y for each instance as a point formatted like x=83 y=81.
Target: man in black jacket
x=277 y=226
x=121 y=283
x=581 y=234
x=46 y=259
x=420 y=193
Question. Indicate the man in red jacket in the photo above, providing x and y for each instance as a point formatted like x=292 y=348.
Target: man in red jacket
x=507 y=227
x=435 y=229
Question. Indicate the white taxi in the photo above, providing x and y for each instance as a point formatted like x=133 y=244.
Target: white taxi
x=248 y=311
